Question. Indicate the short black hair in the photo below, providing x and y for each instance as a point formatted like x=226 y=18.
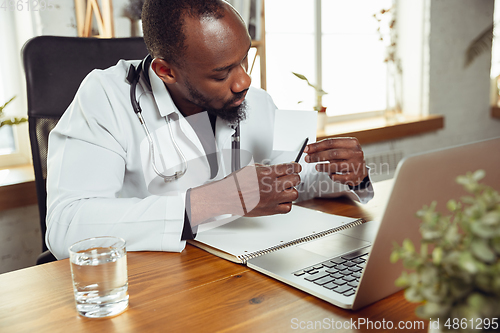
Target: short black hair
x=163 y=22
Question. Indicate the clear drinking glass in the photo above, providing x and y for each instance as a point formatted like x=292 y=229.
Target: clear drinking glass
x=100 y=281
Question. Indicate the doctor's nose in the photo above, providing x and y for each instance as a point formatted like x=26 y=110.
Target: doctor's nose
x=242 y=81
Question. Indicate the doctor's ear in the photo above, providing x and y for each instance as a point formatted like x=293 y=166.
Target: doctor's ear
x=164 y=70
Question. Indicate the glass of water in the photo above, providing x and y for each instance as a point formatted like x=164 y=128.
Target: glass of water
x=99 y=271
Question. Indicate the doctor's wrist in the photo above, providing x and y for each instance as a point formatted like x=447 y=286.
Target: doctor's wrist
x=214 y=199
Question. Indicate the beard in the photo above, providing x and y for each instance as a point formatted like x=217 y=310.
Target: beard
x=232 y=114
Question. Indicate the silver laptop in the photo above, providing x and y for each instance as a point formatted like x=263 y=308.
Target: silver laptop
x=351 y=269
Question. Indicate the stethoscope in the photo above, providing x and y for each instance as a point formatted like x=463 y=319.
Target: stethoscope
x=133 y=76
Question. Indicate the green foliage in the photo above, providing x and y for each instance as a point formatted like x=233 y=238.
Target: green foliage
x=456 y=272
x=11 y=121
x=479 y=45
x=319 y=92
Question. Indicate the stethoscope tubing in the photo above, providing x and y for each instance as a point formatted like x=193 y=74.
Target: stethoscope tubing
x=133 y=77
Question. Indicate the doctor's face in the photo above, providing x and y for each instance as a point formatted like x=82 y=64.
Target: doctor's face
x=214 y=72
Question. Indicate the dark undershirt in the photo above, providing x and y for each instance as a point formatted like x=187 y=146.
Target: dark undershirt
x=208 y=142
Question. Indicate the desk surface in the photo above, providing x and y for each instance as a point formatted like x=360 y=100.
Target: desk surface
x=193 y=291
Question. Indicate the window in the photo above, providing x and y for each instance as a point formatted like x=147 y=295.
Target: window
x=7 y=143
x=495 y=55
x=335 y=44
x=14 y=140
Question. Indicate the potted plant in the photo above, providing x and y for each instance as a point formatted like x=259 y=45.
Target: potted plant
x=319 y=105
x=456 y=271
x=388 y=34
x=10 y=121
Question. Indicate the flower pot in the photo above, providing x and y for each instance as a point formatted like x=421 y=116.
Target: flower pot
x=322 y=117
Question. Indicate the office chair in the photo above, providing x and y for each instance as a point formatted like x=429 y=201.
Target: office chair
x=54 y=68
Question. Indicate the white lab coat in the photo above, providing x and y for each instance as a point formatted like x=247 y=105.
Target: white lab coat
x=100 y=180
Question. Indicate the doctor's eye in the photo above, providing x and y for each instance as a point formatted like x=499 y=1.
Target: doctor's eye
x=219 y=79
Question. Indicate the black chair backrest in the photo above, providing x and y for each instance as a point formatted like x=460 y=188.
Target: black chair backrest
x=54 y=68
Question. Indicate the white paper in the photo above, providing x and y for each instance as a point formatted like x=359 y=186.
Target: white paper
x=292 y=127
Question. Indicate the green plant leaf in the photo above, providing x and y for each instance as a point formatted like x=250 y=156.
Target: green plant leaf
x=402 y=281
x=491 y=218
x=467 y=262
x=435 y=310
x=495 y=243
x=437 y=255
x=480 y=44
x=477 y=301
x=408 y=246
x=483 y=231
x=482 y=251
x=452 y=205
x=13 y=121
x=478 y=175
x=319 y=92
x=412 y=294
x=452 y=235
x=3 y=106
x=429 y=276
x=300 y=76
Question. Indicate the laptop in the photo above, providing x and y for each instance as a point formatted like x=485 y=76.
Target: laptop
x=320 y=267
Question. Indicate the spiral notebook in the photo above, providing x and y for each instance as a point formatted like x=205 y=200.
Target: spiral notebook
x=248 y=238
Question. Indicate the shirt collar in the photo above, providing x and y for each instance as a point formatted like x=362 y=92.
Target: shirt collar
x=162 y=96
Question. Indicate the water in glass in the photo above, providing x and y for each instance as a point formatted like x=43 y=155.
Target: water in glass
x=100 y=281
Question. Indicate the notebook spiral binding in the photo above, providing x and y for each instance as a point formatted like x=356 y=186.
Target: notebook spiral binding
x=245 y=257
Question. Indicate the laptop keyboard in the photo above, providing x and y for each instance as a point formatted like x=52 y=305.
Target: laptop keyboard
x=340 y=274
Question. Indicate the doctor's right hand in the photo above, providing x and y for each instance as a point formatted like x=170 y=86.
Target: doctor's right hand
x=255 y=190
x=267 y=189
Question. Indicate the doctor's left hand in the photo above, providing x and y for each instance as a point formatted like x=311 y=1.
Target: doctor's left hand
x=346 y=162
x=268 y=189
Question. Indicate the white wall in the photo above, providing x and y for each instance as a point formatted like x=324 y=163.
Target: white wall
x=460 y=94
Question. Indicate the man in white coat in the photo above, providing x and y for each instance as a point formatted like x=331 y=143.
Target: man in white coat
x=195 y=94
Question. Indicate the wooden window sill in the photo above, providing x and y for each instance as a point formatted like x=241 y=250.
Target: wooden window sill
x=495 y=112
x=17 y=187
x=377 y=129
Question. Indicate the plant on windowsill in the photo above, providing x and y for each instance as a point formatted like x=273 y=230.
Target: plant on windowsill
x=387 y=30
x=10 y=121
x=456 y=271
x=319 y=105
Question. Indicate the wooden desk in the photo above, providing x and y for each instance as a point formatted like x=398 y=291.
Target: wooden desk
x=189 y=292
